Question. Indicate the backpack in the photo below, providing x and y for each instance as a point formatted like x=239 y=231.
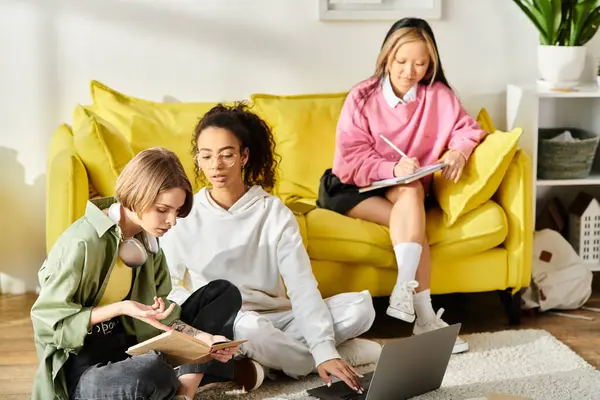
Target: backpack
x=560 y=278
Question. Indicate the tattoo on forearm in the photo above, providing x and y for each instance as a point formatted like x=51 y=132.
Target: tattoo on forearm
x=181 y=326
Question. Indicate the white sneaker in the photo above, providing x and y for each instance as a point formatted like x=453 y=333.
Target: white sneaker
x=460 y=346
x=248 y=373
x=401 y=301
x=359 y=352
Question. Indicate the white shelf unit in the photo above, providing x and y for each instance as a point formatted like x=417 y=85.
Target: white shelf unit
x=532 y=107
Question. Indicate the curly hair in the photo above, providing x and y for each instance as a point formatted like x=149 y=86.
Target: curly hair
x=253 y=134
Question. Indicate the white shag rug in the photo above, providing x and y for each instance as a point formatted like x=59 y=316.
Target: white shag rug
x=530 y=363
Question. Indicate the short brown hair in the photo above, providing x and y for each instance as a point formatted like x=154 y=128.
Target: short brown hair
x=149 y=173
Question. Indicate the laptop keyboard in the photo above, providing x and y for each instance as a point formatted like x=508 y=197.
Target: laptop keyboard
x=339 y=390
x=355 y=396
x=352 y=395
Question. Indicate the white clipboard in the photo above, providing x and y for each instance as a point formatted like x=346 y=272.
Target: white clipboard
x=418 y=174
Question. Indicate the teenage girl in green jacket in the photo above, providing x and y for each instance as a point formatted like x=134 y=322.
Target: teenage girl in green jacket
x=104 y=286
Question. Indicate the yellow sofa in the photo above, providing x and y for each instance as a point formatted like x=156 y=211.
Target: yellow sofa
x=480 y=234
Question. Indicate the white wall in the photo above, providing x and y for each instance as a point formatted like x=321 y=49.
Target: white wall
x=204 y=50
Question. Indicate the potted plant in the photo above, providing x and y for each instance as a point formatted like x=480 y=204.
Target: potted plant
x=565 y=26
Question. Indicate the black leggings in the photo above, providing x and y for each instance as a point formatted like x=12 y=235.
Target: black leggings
x=212 y=308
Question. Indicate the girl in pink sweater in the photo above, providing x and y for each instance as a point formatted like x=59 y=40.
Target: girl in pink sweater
x=409 y=101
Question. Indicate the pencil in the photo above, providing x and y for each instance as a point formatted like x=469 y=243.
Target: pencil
x=393 y=146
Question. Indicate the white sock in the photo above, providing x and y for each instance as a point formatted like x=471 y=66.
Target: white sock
x=423 y=307
x=408 y=256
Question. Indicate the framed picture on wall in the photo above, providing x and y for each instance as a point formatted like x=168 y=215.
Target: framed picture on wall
x=378 y=10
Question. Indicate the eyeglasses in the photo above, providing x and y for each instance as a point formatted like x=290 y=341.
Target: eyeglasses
x=223 y=160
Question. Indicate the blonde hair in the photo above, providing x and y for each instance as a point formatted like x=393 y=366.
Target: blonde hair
x=403 y=31
x=149 y=173
x=400 y=37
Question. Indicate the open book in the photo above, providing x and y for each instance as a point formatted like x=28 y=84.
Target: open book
x=179 y=348
x=418 y=174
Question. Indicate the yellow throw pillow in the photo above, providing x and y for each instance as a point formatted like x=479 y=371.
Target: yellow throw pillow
x=481 y=176
x=304 y=129
x=102 y=149
x=485 y=121
x=146 y=133
x=147 y=123
x=118 y=109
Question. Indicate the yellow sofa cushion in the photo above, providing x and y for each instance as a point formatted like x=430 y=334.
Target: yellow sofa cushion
x=102 y=149
x=119 y=108
x=146 y=133
x=485 y=121
x=147 y=123
x=481 y=176
x=304 y=130
x=335 y=237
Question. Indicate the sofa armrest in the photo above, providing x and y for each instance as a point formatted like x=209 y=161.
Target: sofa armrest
x=67 y=186
x=515 y=196
x=301 y=219
x=300 y=208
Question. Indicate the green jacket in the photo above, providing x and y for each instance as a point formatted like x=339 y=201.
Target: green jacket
x=73 y=279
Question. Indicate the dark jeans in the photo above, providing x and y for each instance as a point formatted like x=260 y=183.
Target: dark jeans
x=212 y=309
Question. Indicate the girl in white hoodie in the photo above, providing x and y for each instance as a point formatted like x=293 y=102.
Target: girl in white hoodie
x=238 y=232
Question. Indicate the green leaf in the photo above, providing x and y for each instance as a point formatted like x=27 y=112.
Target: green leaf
x=551 y=14
x=565 y=27
x=563 y=23
x=535 y=17
x=590 y=27
x=580 y=13
x=557 y=21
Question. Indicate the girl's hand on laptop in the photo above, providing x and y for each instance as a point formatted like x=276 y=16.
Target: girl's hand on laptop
x=455 y=162
x=341 y=370
x=406 y=166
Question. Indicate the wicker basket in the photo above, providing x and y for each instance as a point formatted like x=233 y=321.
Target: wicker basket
x=566 y=160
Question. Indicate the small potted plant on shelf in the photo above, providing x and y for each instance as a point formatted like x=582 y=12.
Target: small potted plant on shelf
x=565 y=26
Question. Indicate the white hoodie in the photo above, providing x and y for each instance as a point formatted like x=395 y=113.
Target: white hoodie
x=253 y=245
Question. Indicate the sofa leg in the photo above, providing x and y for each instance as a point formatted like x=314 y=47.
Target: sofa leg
x=512 y=305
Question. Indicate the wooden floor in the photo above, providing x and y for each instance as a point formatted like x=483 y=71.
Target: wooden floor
x=480 y=312
x=18 y=360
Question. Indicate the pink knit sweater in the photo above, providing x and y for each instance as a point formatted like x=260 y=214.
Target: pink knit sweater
x=424 y=128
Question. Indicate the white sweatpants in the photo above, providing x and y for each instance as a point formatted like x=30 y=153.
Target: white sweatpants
x=275 y=339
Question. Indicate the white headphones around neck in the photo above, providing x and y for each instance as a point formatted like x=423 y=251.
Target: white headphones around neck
x=131 y=251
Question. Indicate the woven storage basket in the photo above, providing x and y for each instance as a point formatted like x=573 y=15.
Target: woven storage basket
x=566 y=160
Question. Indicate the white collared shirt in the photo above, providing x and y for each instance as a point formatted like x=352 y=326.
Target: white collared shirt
x=391 y=98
